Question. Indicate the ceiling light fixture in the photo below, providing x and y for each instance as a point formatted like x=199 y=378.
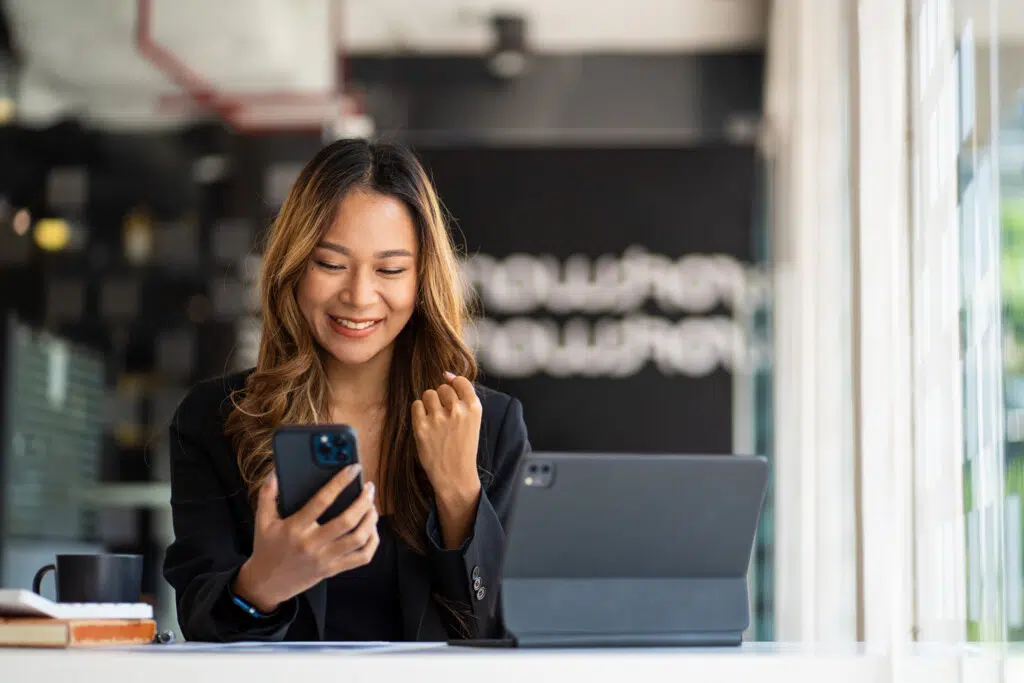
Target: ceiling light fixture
x=508 y=55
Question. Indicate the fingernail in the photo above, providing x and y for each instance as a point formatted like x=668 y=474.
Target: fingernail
x=356 y=467
x=449 y=375
x=371 y=489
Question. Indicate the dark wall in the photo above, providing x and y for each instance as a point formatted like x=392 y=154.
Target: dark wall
x=656 y=378
x=606 y=98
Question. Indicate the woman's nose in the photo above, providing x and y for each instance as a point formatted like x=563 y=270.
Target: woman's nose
x=358 y=290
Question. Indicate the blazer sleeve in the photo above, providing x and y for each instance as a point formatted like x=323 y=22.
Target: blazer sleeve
x=205 y=556
x=468 y=577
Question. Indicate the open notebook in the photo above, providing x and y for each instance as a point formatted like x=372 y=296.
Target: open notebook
x=17 y=602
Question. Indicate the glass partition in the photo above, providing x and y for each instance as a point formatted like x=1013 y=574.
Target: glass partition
x=960 y=507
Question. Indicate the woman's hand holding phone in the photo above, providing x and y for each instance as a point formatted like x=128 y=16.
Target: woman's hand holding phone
x=291 y=555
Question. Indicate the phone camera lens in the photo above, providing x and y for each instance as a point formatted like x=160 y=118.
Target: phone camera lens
x=533 y=469
x=545 y=469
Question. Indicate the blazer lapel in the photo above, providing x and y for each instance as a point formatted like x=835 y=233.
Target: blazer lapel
x=419 y=621
x=317 y=598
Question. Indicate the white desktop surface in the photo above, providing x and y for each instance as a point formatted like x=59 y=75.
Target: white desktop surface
x=760 y=662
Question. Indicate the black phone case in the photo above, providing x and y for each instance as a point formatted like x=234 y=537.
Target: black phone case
x=299 y=473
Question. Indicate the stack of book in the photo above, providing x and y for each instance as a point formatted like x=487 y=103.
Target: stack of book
x=30 y=620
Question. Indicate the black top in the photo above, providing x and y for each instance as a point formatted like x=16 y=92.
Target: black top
x=362 y=603
x=442 y=594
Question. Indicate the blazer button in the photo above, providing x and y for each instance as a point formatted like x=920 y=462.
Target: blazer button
x=475 y=573
x=480 y=593
x=477 y=584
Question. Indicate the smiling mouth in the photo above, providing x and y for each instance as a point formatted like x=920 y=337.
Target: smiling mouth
x=354 y=324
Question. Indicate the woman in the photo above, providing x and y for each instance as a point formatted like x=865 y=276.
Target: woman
x=363 y=310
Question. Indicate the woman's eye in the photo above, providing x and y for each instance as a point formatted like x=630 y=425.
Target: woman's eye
x=329 y=266
x=392 y=271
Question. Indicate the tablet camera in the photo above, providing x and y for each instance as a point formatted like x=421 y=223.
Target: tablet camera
x=539 y=474
x=332 y=450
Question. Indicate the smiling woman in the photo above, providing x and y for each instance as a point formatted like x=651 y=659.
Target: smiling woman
x=363 y=310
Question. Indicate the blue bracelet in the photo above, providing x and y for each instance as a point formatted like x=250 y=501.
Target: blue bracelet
x=247 y=608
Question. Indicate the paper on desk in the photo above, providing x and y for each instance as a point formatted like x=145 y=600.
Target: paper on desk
x=301 y=646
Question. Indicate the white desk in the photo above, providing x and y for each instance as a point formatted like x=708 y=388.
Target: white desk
x=758 y=663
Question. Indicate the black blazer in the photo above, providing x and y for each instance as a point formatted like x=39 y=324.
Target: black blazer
x=214 y=523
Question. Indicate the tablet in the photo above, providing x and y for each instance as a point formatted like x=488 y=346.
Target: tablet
x=628 y=549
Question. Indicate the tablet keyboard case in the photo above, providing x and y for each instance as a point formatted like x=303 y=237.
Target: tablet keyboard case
x=633 y=550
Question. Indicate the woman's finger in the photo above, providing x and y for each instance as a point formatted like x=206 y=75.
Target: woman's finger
x=266 y=503
x=351 y=518
x=348 y=555
x=309 y=513
x=432 y=402
x=448 y=396
x=465 y=390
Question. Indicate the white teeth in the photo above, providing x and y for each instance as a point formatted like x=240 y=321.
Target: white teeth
x=353 y=325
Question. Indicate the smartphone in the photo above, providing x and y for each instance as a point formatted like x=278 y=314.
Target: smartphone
x=306 y=457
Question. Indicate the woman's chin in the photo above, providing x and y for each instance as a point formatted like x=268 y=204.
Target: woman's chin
x=352 y=357
x=352 y=353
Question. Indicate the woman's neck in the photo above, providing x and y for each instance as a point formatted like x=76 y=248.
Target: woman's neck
x=359 y=388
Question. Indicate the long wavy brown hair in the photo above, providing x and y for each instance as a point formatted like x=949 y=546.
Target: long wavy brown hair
x=289 y=383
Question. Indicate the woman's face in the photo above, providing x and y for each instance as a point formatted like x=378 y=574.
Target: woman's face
x=359 y=288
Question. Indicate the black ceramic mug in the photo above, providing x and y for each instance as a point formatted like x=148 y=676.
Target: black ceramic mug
x=95 y=578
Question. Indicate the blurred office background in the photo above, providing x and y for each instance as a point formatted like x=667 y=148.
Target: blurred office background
x=791 y=228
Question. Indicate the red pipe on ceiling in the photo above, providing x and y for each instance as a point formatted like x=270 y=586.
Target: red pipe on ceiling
x=229 y=107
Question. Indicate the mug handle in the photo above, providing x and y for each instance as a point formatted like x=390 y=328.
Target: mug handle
x=38 y=579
